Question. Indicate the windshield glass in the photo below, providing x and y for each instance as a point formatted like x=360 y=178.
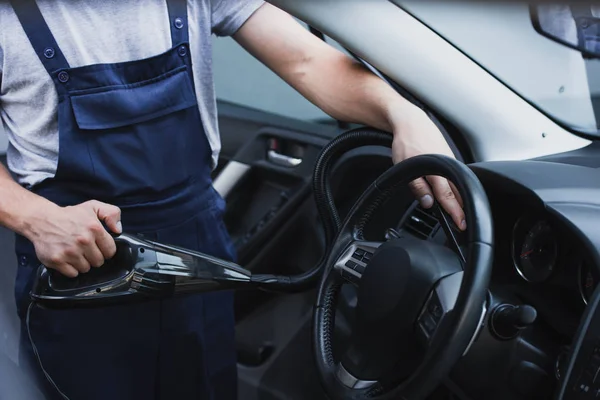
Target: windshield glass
x=501 y=38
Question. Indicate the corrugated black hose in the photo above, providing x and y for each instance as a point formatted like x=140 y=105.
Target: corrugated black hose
x=326 y=208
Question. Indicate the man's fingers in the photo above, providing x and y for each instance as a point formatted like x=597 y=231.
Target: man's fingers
x=80 y=264
x=109 y=214
x=94 y=256
x=456 y=194
x=422 y=192
x=67 y=270
x=106 y=244
x=445 y=196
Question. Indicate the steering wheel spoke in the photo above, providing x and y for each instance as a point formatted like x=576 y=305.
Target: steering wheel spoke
x=439 y=304
x=436 y=310
x=354 y=260
x=450 y=235
x=349 y=380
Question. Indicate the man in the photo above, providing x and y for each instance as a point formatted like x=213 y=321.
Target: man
x=110 y=110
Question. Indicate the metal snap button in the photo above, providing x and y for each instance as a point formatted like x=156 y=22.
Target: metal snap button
x=178 y=23
x=23 y=261
x=63 y=76
x=182 y=51
x=49 y=52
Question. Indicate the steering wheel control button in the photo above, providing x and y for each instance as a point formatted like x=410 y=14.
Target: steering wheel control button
x=435 y=309
x=350 y=276
x=428 y=324
x=353 y=262
x=431 y=315
x=362 y=255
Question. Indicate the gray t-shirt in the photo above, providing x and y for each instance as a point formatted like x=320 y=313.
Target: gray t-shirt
x=94 y=32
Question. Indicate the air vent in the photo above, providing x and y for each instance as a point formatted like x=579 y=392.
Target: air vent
x=421 y=223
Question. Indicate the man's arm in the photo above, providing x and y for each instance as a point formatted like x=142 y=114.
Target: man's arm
x=68 y=239
x=347 y=91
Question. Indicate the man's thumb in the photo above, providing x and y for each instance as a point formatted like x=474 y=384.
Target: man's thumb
x=109 y=214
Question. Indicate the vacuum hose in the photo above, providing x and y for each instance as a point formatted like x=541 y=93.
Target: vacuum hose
x=326 y=208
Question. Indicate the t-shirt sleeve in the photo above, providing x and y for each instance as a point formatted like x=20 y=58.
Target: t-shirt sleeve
x=229 y=15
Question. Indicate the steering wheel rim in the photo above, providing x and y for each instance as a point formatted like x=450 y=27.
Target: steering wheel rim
x=465 y=317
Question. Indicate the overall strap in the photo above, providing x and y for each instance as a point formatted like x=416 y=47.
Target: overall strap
x=39 y=35
x=178 y=21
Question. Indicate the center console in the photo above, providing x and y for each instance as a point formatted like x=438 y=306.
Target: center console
x=582 y=378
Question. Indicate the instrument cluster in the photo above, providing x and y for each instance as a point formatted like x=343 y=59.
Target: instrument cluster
x=544 y=252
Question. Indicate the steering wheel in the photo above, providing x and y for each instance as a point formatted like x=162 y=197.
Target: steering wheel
x=419 y=305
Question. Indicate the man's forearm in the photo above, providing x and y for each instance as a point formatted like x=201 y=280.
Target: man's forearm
x=337 y=84
x=347 y=91
x=18 y=206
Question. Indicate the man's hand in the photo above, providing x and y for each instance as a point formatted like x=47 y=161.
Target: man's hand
x=72 y=239
x=416 y=134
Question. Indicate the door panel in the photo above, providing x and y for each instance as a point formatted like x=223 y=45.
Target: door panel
x=273 y=222
x=262 y=187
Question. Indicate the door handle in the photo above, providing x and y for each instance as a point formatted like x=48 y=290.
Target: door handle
x=283 y=160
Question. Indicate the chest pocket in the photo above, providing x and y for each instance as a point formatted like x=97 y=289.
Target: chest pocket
x=134 y=139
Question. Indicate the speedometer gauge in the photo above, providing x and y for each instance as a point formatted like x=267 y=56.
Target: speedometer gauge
x=535 y=250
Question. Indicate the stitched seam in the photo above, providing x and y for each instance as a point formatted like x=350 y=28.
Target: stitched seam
x=379 y=200
x=83 y=92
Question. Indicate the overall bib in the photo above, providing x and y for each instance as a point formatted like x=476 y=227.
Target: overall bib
x=130 y=134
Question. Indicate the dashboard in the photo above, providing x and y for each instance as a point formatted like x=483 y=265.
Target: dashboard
x=547 y=236
x=546 y=227
x=546 y=215
x=542 y=260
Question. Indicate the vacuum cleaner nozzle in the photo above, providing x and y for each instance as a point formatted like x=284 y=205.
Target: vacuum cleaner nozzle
x=141 y=269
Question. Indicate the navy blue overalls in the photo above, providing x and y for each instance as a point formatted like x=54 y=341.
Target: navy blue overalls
x=130 y=134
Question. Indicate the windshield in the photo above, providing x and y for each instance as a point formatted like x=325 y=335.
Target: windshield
x=501 y=38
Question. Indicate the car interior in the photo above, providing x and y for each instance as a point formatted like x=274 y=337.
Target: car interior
x=544 y=261
x=536 y=206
